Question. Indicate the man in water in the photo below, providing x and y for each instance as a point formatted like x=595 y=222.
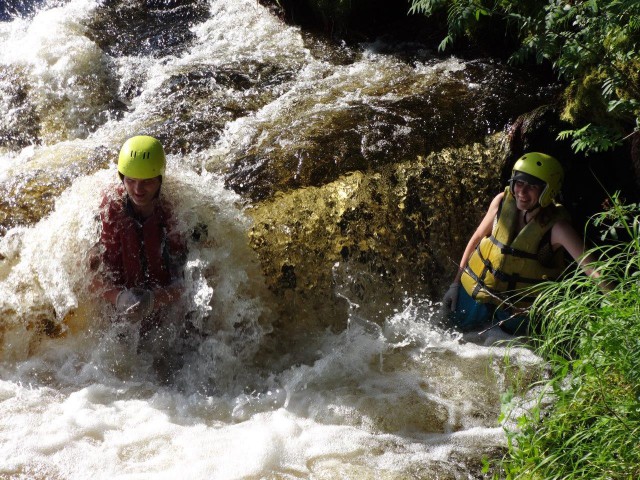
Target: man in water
x=141 y=252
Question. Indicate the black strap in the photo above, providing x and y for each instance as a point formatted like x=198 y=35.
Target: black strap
x=514 y=252
x=510 y=279
x=480 y=285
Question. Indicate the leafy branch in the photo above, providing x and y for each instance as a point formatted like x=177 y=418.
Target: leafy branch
x=588 y=43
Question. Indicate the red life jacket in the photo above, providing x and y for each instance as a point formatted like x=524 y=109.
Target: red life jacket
x=145 y=253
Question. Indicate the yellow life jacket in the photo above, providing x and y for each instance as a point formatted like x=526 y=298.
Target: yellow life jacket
x=507 y=265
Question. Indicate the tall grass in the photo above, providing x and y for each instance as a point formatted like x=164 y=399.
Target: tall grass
x=586 y=423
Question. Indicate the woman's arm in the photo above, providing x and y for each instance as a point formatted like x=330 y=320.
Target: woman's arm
x=483 y=230
x=564 y=235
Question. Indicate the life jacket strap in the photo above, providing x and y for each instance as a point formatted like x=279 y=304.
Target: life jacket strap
x=511 y=279
x=481 y=286
x=514 y=252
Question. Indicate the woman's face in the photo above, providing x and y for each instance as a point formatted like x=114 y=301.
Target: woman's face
x=526 y=194
x=142 y=191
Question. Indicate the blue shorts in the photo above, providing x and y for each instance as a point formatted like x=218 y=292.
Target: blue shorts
x=473 y=315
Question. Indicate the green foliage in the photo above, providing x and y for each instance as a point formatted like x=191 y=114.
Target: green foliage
x=597 y=39
x=591 y=138
x=591 y=339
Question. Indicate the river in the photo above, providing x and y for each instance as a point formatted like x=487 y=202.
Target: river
x=380 y=390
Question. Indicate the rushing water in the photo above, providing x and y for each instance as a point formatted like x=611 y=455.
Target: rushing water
x=250 y=395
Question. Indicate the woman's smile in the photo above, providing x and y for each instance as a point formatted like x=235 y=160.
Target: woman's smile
x=526 y=195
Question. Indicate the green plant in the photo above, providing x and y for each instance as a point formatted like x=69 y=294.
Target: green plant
x=591 y=138
x=586 y=422
x=591 y=44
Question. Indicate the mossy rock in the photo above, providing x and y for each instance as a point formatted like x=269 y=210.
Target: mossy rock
x=379 y=233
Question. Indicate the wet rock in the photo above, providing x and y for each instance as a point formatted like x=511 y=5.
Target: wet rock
x=30 y=195
x=381 y=233
x=197 y=104
x=390 y=121
x=65 y=89
x=538 y=127
x=19 y=9
x=67 y=118
x=19 y=125
x=334 y=52
x=146 y=27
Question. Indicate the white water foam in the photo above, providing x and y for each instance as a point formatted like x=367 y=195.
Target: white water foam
x=368 y=406
x=68 y=76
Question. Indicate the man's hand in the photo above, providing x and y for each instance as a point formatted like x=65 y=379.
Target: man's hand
x=450 y=299
x=136 y=302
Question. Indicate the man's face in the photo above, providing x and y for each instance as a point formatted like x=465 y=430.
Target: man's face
x=527 y=195
x=142 y=191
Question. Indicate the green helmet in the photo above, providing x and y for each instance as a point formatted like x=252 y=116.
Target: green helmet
x=543 y=168
x=142 y=157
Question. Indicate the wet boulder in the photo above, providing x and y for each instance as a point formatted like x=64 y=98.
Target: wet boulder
x=197 y=104
x=362 y=123
x=146 y=27
x=19 y=126
x=30 y=194
x=377 y=234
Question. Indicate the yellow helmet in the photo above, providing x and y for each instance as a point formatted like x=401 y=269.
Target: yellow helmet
x=543 y=168
x=142 y=157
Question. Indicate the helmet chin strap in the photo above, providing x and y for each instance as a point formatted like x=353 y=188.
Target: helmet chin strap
x=530 y=210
